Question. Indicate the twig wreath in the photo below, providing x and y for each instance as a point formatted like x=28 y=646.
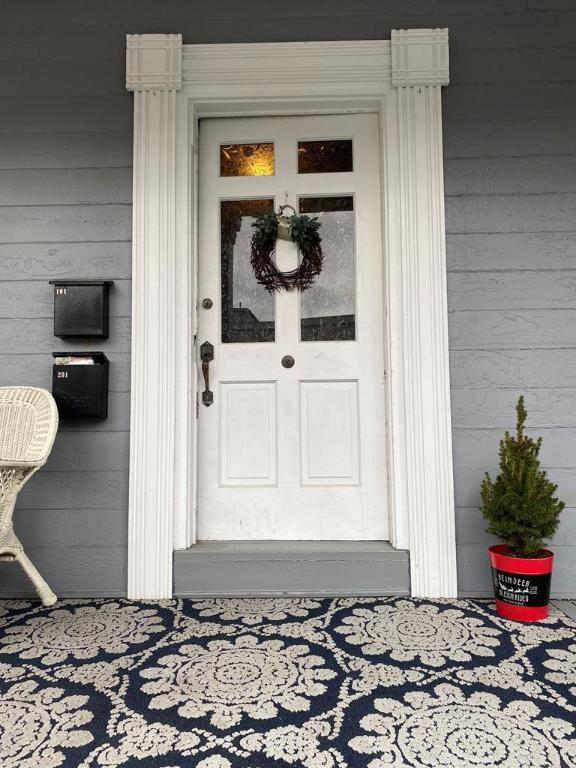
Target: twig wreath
x=301 y=230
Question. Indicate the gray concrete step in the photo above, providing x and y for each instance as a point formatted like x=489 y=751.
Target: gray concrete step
x=314 y=568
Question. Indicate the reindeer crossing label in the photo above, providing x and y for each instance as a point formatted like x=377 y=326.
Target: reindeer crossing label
x=530 y=589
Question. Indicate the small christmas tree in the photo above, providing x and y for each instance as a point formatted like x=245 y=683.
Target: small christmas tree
x=520 y=505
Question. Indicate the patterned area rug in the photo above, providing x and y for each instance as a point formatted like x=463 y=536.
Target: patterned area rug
x=274 y=683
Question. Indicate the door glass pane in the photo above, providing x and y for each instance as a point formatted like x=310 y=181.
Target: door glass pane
x=247 y=307
x=328 y=156
x=247 y=160
x=327 y=307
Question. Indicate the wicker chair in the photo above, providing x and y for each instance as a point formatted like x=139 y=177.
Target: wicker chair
x=28 y=424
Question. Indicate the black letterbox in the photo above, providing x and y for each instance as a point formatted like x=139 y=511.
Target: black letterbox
x=81 y=308
x=81 y=388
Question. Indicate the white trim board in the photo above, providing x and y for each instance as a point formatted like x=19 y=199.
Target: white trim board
x=174 y=87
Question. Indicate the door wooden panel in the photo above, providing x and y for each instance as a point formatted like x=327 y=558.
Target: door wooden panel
x=248 y=433
x=329 y=432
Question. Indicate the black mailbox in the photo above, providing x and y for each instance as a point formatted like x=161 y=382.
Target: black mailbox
x=80 y=383
x=81 y=307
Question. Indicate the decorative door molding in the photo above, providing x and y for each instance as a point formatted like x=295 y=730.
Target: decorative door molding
x=174 y=86
x=154 y=73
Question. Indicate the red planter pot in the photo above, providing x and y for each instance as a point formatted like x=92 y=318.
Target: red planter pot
x=521 y=584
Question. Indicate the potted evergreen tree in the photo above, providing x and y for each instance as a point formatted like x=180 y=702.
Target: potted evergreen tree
x=522 y=510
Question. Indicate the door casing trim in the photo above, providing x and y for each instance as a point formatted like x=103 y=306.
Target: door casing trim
x=175 y=86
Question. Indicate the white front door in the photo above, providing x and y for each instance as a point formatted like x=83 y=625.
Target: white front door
x=292 y=452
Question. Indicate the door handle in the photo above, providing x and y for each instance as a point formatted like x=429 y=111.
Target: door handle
x=207 y=355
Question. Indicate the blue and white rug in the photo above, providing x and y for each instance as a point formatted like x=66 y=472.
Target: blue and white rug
x=284 y=683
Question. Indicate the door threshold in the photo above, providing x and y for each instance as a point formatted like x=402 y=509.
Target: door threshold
x=291 y=568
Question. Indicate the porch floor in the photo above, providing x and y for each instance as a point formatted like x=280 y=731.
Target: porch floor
x=284 y=683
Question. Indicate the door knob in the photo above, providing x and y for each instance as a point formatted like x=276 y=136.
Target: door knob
x=288 y=361
x=207 y=355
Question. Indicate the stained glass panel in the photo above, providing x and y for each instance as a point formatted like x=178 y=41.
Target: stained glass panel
x=327 y=308
x=247 y=160
x=247 y=308
x=328 y=156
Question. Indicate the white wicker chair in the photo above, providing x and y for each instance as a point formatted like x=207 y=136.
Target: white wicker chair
x=28 y=424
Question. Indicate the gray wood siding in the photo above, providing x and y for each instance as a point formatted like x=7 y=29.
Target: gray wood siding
x=510 y=174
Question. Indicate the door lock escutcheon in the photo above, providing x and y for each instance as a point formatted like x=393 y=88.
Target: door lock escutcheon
x=207 y=355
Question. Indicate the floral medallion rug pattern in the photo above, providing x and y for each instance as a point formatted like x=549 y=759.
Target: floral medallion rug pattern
x=275 y=683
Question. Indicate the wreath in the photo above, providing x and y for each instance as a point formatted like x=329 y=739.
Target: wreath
x=301 y=230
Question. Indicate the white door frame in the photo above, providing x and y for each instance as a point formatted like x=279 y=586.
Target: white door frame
x=174 y=87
